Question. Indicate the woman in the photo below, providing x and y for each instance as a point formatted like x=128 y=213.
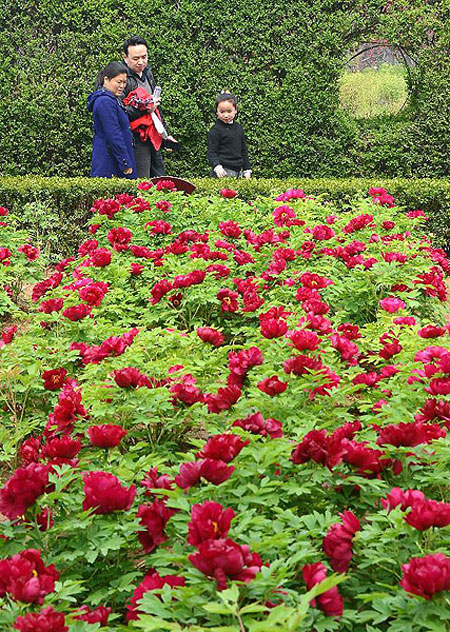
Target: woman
x=112 y=146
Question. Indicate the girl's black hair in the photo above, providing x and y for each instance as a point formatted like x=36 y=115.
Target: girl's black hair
x=110 y=71
x=226 y=95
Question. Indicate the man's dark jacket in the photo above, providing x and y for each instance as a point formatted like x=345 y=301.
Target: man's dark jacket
x=133 y=82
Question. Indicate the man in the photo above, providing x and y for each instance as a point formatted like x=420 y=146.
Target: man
x=149 y=162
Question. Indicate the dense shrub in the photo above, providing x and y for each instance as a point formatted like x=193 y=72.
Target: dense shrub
x=56 y=210
x=284 y=62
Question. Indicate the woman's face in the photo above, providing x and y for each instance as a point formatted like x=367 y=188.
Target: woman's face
x=117 y=84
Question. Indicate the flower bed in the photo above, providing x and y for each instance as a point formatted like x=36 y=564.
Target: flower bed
x=231 y=416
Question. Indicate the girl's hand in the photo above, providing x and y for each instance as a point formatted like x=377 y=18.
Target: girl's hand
x=220 y=171
x=128 y=171
x=247 y=174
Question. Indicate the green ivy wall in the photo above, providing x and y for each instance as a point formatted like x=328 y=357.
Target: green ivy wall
x=282 y=59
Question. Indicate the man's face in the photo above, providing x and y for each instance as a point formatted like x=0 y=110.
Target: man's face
x=137 y=58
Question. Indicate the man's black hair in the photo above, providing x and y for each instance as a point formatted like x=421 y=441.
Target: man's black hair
x=136 y=40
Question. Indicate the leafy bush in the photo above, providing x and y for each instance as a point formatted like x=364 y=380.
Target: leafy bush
x=57 y=209
x=288 y=85
x=268 y=377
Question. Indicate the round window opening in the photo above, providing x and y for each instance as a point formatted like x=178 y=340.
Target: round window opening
x=375 y=80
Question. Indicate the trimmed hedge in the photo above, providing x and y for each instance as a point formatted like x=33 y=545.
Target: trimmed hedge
x=283 y=61
x=55 y=210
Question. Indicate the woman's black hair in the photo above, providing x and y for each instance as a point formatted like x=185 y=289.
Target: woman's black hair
x=110 y=71
x=226 y=95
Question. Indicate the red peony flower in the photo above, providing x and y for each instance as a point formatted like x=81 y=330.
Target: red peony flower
x=322 y=232
x=136 y=269
x=402 y=498
x=61 y=449
x=330 y=602
x=77 y=312
x=152 y=581
x=154 y=518
x=30 y=450
x=101 y=257
x=301 y=365
x=228 y=300
x=283 y=215
x=163 y=205
x=208 y=334
x=130 y=377
x=223 y=400
x=428 y=513
x=154 y=481
x=31 y=252
x=213 y=471
x=230 y=229
x=25 y=577
x=303 y=340
x=67 y=410
x=186 y=391
x=93 y=293
x=54 y=379
x=160 y=289
x=106 y=435
x=224 y=559
x=273 y=328
x=22 y=489
x=209 y=521
x=144 y=186
x=358 y=223
x=165 y=185
x=291 y=194
x=52 y=305
x=104 y=493
x=426 y=576
x=228 y=193
x=272 y=386
x=392 y=304
x=106 y=207
x=337 y=544
x=409 y=434
x=242 y=361
x=192 y=278
x=256 y=424
x=223 y=447
x=431 y=331
x=96 y=615
x=47 y=620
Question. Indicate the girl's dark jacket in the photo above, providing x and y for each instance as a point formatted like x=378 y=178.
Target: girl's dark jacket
x=112 y=146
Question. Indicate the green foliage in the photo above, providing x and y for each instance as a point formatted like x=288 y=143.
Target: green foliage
x=283 y=61
x=372 y=92
x=283 y=508
x=55 y=210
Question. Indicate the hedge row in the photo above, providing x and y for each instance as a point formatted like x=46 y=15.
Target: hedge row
x=284 y=62
x=55 y=210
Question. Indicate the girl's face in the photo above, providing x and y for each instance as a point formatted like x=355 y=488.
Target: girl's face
x=116 y=85
x=226 y=111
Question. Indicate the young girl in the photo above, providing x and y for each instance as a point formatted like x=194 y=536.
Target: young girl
x=227 y=149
